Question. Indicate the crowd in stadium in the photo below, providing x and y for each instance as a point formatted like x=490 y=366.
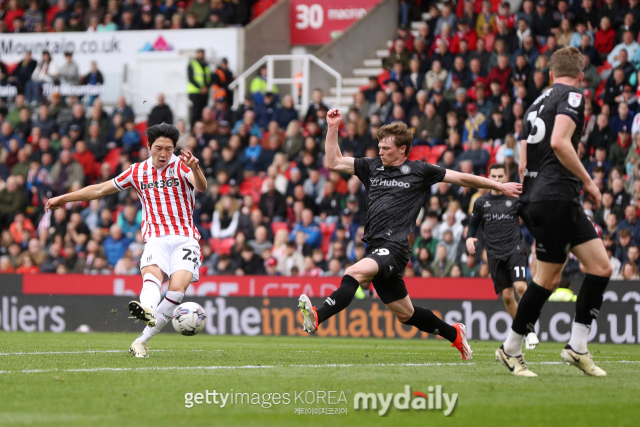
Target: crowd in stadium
x=37 y=16
x=462 y=84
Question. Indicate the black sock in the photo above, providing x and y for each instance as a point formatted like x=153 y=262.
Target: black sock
x=589 y=298
x=529 y=308
x=426 y=321
x=339 y=299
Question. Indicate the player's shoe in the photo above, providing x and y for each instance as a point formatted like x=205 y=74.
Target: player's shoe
x=531 y=341
x=461 y=342
x=310 y=324
x=581 y=361
x=139 y=349
x=515 y=364
x=140 y=312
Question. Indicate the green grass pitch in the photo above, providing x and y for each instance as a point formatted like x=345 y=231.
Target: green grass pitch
x=91 y=380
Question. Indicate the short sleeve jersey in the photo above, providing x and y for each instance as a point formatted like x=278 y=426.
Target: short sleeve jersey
x=500 y=219
x=166 y=195
x=545 y=176
x=394 y=196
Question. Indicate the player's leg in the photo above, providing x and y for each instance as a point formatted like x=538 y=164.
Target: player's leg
x=153 y=266
x=553 y=239
x=593 y=256
x=516 y=268
x=393 y=293
x=361 y=272
x=184 y=262
x=510 y=303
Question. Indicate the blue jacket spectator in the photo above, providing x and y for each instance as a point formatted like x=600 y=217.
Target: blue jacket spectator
x=476 y=126
x=631 y=223
x=115 y=245
x=309 y=227
x=528 y=50
x=286 y=113
x=478 y=156
x=251 y=154
x=7 y=134
x=130 y=221
x=131 y=137
x=248 y=120
x=267 y=111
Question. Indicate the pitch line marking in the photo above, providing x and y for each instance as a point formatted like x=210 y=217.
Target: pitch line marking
x=334 y=365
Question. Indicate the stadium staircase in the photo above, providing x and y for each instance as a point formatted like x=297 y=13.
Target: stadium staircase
x=360 y=76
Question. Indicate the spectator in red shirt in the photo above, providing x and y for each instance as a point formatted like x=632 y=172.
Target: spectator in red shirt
x=505 y=15
x=501 y=72
x=13 y=11
x=86 y=159
x=464 y=33
x=28 y=266
x=605 y=36
x=20 y=223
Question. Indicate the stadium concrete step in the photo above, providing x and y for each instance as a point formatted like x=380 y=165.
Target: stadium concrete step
x=382 y=53
x=366 y=72
x=354 y=81
x=346 y=90
x=377 y=62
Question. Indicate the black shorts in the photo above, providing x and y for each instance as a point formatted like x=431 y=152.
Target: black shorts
x=391 y=260
x=559 y=226
x=505 y=271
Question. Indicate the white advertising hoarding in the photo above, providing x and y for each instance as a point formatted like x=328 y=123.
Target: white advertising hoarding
x=154 y=60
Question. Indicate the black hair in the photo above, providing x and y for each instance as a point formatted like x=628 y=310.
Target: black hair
x=497 y=166
x=163 y=130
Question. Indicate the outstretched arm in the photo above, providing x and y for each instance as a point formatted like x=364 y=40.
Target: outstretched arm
x=511 y=189
x=91 y=192
x=522 y=167
x=335 y=159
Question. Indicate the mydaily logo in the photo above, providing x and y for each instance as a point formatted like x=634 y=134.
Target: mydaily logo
x=419 y=401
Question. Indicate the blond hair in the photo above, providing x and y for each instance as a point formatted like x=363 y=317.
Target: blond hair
x=566 y=62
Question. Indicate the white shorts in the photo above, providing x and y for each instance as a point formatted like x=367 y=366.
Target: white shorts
x=172 y=253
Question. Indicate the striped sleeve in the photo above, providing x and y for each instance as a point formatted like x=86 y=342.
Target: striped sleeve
x=184 y=173
x=124 y=180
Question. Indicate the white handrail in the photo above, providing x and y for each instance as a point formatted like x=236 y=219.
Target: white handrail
x=241 y=84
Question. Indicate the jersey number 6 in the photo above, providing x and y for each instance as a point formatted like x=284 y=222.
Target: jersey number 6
x=538 y=128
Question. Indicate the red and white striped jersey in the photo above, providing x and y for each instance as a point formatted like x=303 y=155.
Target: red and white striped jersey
x=167 y=197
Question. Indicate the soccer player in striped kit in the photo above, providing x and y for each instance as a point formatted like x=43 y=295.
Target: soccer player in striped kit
x=166 y=185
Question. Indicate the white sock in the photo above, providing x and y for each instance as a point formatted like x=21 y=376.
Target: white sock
x=513 y=344
x=163 y=315
x=579 y=337
x=150 y=294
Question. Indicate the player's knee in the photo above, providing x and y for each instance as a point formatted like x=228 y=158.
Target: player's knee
x=357 y=272
x=403 y=317
x=602 y=269
x=520 y=287
x=508 y=298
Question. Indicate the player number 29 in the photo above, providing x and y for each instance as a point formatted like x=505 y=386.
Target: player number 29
x=524 y=272
x=382 y=251
x=538 y=128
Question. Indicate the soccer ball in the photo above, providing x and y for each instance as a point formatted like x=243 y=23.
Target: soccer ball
x=189 y=318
